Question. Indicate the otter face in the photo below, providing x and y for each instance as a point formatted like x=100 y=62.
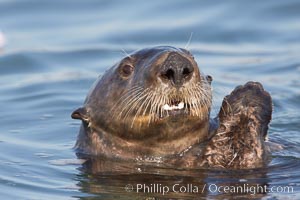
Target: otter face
x=153 y=92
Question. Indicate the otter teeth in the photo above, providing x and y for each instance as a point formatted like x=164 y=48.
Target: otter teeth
x=173 y=107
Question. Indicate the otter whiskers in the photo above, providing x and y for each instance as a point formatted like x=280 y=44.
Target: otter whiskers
x=153 y=104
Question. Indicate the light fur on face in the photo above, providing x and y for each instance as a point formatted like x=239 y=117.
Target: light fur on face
x=145 y=105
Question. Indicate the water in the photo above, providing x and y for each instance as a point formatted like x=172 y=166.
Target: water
x=56 y=49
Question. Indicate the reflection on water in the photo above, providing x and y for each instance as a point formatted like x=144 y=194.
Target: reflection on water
x=127 y=181
x=54 y=51
x=137 y=180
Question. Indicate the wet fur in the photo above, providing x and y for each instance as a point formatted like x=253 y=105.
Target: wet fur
x=123 y=117
x=240 y=138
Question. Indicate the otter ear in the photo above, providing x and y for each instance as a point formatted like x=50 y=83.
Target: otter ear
x=209 y=79
x=80 y=113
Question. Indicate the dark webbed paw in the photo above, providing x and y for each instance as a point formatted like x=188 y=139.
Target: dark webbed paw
x=243 y=125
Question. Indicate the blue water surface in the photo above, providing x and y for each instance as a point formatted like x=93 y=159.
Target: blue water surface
x=55 y=50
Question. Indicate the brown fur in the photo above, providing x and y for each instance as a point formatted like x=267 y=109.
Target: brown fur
x=124 y=117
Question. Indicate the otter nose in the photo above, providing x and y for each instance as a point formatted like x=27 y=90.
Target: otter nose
x=177 y=70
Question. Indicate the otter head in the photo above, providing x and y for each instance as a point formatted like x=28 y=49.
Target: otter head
x=155 y=94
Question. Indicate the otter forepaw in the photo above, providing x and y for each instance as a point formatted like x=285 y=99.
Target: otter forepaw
x=243 y=124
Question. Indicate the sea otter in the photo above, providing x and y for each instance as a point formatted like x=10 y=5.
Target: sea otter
x=154 y=106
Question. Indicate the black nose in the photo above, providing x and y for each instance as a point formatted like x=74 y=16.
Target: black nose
x=177 y=69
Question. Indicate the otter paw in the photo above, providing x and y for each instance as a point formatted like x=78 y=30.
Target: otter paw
x=243 y=124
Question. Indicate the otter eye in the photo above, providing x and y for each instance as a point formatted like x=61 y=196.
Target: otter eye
x=126 y=70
